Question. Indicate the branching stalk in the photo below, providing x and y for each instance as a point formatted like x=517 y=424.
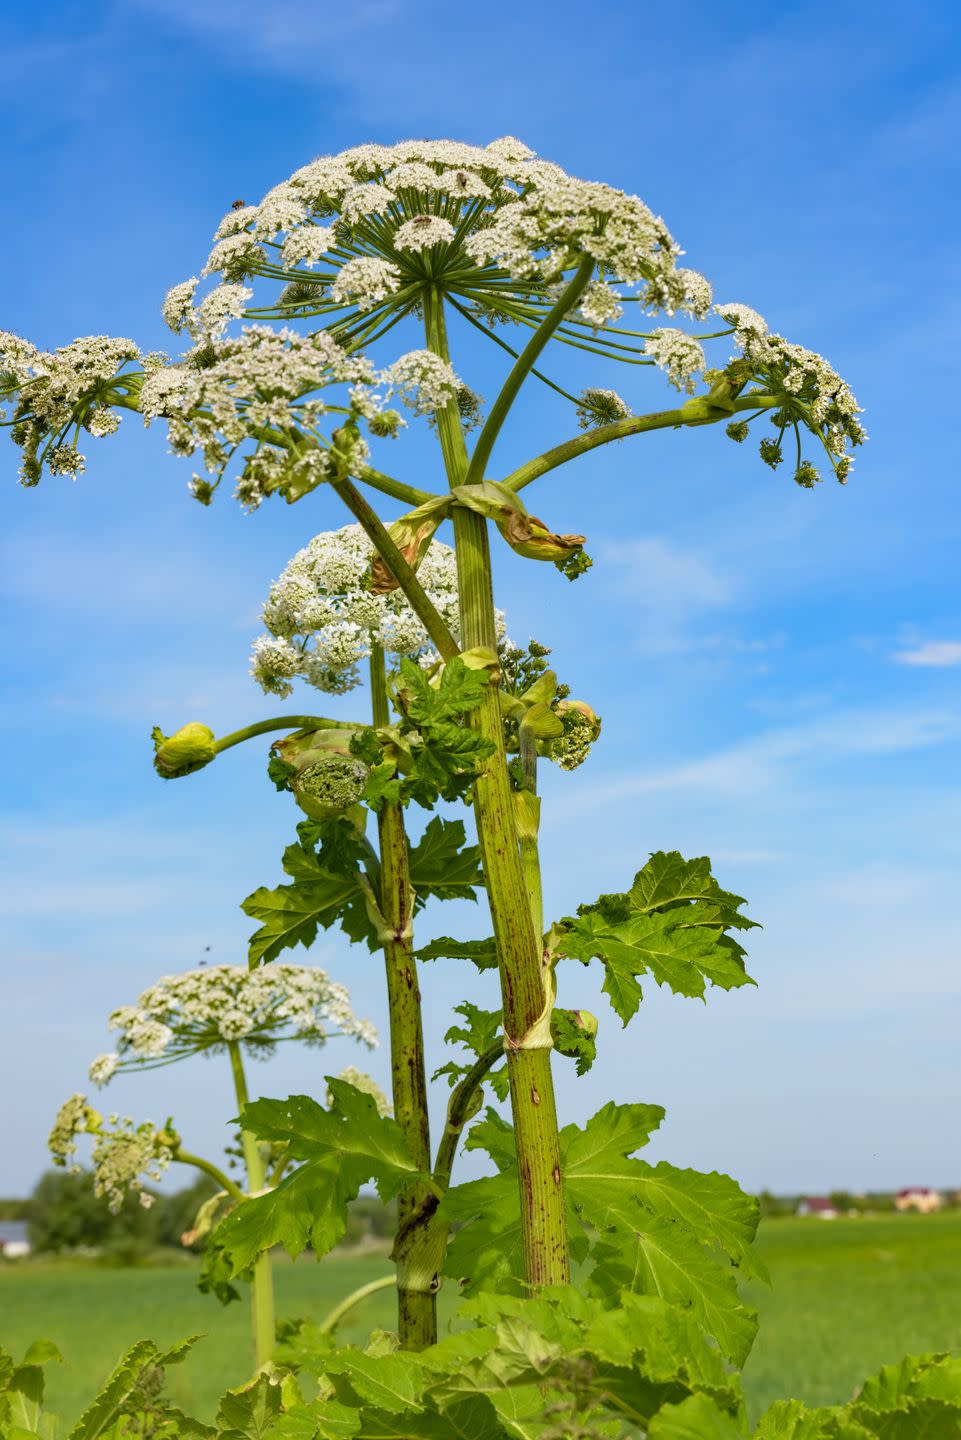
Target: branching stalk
x=694 y=412
x=333 y=1318
x=526 y=982
x=417 y=1277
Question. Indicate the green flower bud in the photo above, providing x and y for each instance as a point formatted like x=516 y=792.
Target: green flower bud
x=189 y=748
x=327 y=785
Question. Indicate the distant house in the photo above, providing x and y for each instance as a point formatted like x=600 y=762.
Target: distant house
x=818 y=1205
x=920 y=1199
x=14 y=1244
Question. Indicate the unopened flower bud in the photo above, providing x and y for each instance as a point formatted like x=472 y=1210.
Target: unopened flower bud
x=189 y=748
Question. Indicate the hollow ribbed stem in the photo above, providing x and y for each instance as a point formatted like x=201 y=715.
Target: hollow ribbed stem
x=282 y=722
x=420 y=602
x=417 y=1278
x=262 y=1287
x=694 y=412
x=522 y=368
x=460 y=1108
x=526 y=981
x=387 y=485
x=184 y=1157
x=334 y=1317
x=530 y=854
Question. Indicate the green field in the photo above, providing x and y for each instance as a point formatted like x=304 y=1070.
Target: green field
x=847 y=1297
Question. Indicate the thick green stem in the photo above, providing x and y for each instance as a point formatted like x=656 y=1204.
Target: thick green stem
x=460 y=1108
x=184 y=1157
x=417 y=1274
x=262 y=1287
x=334 y=1317
x=526 y=979
x=695 y=412
x=522 y=367
x=420 y=602
x=387 y=485
x=282 y=722
x=530 y=854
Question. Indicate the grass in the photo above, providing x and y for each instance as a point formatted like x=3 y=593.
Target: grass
x=848 y=1296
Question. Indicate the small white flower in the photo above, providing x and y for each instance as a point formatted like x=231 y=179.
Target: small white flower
x=221 y=305
x=177 y=308
x=364 y=282
x=422 y=232
x=679 y=354
x=103 y=1067
x=307 y=244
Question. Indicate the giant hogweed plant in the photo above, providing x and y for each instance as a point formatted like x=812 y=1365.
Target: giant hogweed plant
x=276 y=389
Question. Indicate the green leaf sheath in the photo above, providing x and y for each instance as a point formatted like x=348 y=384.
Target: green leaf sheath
x=526 y=983
x=417 y=1284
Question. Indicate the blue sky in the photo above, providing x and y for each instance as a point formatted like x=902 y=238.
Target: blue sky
x=779 y=671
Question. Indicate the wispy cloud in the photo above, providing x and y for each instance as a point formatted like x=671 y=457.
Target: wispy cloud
x=286 y=36
x=759 y=762
x=937 y=654
x=671 y=589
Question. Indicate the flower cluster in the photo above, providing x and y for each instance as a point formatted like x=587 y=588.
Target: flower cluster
x=492 y=224
x=581 y=728
x=322 y=617
x=679 y=354
x=58 y=394
x=809 y=390
x=209 y=1008
x=600 y=407
x=263 y=386
x=123 y=1156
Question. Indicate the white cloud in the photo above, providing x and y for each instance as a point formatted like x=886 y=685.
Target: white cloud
x=938 y=654
x=758 y=763
x=286 y=36
x=671 y=590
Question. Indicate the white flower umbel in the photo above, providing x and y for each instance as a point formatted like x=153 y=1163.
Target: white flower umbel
x=600 y=407
x=422 y=232
x=204 y=1010
x=322 y=618
x=58 y=393
x=492 y=231
x=423 y=380
x=364 y=282
x=124 y=1154
x=680 y=354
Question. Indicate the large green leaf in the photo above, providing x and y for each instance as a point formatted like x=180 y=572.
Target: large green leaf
x=653 y=1229
x=291 y=914
x=443 y=865
x=341 y=1149
x=672 y=924
x=696 y=1418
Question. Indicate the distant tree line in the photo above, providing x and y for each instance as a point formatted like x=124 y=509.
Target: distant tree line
x=874 y=1202
x=64 y=1216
